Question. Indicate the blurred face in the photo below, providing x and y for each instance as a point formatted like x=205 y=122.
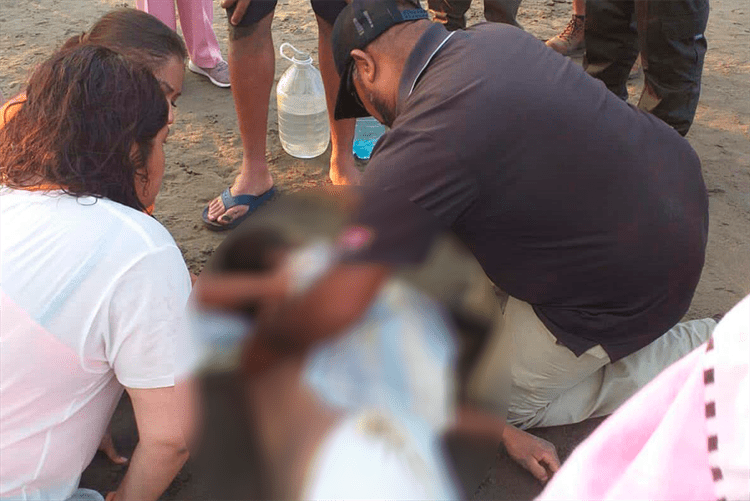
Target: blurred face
x=170 y=76
x=148 y=189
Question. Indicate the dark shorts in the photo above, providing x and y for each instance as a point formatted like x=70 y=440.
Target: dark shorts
x=258 y=9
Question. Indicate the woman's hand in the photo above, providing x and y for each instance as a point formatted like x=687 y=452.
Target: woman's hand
x=107 y=446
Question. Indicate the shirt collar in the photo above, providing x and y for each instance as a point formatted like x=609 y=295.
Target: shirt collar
x=431 y=41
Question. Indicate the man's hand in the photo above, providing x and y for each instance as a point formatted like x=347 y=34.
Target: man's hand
x=533 y=453
x=107 y=446
x=239 y=11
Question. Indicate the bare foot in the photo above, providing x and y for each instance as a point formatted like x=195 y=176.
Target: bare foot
x=344 y=171
x=255 y=184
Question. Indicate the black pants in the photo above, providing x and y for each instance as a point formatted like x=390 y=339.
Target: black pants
x=451 y=12
x=669 y=35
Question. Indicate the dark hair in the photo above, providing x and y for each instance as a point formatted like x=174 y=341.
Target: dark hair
x=87 y=126
x=249 y=250
x=135 y=34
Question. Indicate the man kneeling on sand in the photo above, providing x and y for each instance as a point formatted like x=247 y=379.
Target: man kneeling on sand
x=591 y=214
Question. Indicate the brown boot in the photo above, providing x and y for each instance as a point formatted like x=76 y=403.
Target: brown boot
x=571 y=38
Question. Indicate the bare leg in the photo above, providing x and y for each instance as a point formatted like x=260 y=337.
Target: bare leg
x=343 y=170
x=251 y=70
x=579 y=7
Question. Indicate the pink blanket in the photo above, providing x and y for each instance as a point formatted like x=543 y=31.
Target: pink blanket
x=682 y=437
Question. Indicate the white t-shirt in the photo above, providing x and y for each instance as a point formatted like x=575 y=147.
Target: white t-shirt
x=93 y=293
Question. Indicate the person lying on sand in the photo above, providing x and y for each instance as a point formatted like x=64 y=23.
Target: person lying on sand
x=335 y=303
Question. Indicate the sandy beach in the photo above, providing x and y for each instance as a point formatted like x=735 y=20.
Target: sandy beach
x=204 y=152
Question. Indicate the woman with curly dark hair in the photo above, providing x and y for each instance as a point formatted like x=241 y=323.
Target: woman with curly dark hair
x=93 y=289
x=140 y=37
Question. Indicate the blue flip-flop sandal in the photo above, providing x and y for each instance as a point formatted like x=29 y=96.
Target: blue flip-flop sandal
x=229 y=201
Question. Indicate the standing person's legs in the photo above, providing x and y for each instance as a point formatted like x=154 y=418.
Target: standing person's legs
x=611 y=42
x=571 y=38
x=163 y=10
x=450 y=12
x=673 y=50
x=196 y=20
x=342 y=168
x=502 y=11
x=251 y=69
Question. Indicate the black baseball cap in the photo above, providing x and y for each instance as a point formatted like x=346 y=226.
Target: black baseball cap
x=357 y=25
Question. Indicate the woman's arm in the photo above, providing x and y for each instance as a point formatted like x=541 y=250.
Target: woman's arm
x=161 y=449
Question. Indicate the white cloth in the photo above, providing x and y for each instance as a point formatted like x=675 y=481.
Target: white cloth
x=399 y=359
x=370 y=457
x=92 y=296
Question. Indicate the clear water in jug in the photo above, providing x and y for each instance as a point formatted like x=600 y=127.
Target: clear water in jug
x=301 y=102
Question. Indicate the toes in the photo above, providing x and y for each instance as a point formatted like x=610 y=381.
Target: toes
x=236 y=212
x=225 y=217
x=215 y=209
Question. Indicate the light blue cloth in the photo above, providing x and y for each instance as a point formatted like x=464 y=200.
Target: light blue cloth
x=399 y=360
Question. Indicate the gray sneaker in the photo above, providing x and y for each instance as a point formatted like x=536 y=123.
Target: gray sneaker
x=219 y=74
x=571 y=38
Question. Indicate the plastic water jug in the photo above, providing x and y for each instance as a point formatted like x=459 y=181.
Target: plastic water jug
x=301 y=102
x=366 y=134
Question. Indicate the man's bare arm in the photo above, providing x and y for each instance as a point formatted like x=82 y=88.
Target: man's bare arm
x=333 y=303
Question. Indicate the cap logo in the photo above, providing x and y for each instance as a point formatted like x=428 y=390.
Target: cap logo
x=355 y=238
x=360 y=29
x=369 y=19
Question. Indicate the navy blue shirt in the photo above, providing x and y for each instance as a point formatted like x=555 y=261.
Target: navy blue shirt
x=587 y=208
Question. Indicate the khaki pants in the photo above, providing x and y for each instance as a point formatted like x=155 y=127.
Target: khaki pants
x=550 y=386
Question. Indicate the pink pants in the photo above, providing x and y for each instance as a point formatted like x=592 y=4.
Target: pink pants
x=196 y=20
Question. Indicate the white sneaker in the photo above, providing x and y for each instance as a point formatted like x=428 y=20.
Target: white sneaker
x=219 y=74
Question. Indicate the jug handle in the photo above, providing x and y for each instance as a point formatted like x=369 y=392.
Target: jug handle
x=287 y=45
